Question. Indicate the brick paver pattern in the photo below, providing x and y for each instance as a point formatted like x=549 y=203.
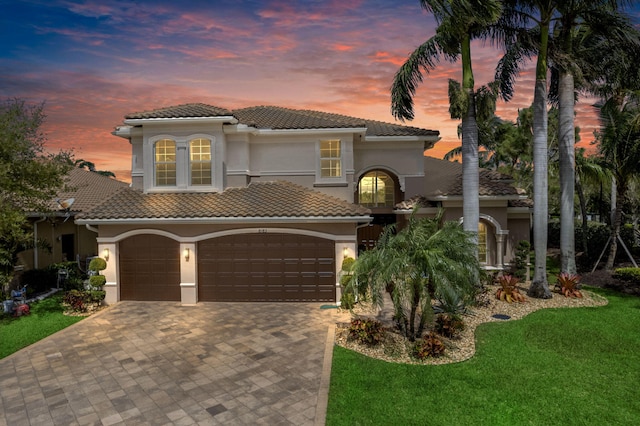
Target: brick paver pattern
x=161 y=363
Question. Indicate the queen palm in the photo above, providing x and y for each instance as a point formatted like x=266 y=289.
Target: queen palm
x=459 y=22
x=582 y=25
x=527 y=25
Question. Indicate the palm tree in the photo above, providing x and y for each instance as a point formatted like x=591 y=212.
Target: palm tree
x=588 y=170
x=427 y=259
x=620 y=146
x=583 y=24
x=525 y=41
x=459 y=21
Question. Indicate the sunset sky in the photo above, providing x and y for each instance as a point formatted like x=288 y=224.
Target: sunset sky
x=94 y=61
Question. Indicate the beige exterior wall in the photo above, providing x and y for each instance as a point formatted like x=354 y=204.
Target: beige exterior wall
x=84 y=243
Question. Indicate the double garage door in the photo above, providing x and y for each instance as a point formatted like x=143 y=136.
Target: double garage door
x=242 y=267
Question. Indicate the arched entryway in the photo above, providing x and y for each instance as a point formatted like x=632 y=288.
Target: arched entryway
x=378 y=190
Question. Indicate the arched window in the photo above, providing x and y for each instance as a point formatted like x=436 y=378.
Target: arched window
x=376 y=189
x=482 y=242
x=200 y=161
x=165 y=162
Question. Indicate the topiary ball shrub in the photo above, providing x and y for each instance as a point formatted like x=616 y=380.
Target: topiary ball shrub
x=97 y=281
x=347 y=264
x=97 y=264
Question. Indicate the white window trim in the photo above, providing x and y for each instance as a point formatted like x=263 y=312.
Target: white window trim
x=183 y=164
x=338 y=180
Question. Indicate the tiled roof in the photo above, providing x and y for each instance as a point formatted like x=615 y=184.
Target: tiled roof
x=445 y=179
x=88 y=189
x=278 y=118
x=258 y=200
x=181 y=111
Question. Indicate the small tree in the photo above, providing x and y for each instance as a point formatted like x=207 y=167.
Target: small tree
x=96 y=265
x=425 y=260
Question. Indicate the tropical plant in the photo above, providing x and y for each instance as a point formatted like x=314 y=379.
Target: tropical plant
x=449 y=325
x=508 y=291
x=459 y=22
x=569 y=284
x=366 y=331
x=428 y=347
x=425 y=260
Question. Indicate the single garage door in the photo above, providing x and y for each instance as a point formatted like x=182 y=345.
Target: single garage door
x=149 y=268
x=266 y=267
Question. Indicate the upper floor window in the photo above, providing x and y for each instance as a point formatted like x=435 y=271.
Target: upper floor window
x=165 y=162
x=376 y=189
x=200 y=161
x=330 y=159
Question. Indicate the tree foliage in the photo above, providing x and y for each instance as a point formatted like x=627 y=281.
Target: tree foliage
x=427 y=259
x=29 y=175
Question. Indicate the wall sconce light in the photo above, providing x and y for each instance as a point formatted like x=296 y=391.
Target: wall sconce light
x=105 y=254
x=345 y=251
x=186 y=253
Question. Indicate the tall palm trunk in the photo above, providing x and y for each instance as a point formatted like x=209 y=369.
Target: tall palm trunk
x=539 y=286
x=566 y=140
x=470 y=171
x=583 y=213
x=620 y=188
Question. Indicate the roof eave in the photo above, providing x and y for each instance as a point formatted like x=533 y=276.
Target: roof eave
x=330 y=130
x=225 y=220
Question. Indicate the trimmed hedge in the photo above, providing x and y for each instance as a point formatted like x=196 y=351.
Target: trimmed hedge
x=631 y=275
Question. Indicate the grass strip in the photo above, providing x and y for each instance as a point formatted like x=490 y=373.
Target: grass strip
x=45 y=319
x=556 y=366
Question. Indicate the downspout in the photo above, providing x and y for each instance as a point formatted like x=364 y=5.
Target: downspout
x=35 y=241
x=91 y=228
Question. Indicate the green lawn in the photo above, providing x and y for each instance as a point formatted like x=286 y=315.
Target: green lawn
x=46 y=318
x=576 y=366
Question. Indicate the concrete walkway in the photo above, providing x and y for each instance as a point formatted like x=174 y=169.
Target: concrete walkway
x=160 y=363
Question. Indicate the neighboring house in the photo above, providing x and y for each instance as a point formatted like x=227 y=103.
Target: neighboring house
x=263 y=203
x=83 y=191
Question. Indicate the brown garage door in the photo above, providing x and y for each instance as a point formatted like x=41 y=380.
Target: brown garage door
x=149 y=268
x=266 y=267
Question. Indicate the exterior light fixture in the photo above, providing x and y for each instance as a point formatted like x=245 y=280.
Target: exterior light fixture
x=186 y=253
x=105 y=254
x=345 y=251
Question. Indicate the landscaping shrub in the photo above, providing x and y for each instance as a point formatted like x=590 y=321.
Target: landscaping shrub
x=428 y=347
x=366 y=331
x=631 y=275
x=449 y=325
x=522 y=259
x=508 y=291
x=75 y=276
x=569 y=285
x=82 y=300
x=347 y=300
x=39 y=280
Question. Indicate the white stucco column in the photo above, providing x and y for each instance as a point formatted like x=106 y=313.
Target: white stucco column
x=109 y=252
x=343 y=249
x=188 y=262
x=500 y=237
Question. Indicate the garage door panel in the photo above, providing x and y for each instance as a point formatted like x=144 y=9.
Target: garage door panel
x=149 y=268
x=266 y=267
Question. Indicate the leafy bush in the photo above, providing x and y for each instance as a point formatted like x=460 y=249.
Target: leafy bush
x=75 y=276
x=39 y=280
x=347 y=264
x=522 y=259
x=97 y=264
x=347 y=300
x=569 y=285
x=449 y=325
x=428 y=347
x=82 y=300
x=366 y=331
x=97 y=281
x=508 y=291
x=631 y=275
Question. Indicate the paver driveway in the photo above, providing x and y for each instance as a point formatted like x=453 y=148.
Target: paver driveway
x=161 y=363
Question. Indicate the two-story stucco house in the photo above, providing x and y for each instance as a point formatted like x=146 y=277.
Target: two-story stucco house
x=263 y=203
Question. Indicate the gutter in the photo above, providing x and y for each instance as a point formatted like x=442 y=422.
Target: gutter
x=223 y=220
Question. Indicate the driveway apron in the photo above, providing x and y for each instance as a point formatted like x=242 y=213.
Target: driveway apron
x=161 y=363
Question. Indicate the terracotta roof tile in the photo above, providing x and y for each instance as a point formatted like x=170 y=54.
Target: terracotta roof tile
x=181 y=111
x=278 y=118
x=88 y=189
x=258 y=200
